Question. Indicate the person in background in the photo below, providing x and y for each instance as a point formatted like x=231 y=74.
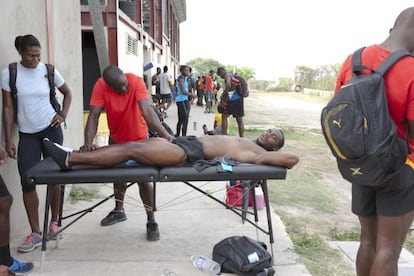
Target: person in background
x=183 y=106
x=386 y=211
x=208 y=94
x=216 y=90
x=233 y=102
x=166 y=83
x=200 y=91
x=155 y=80
x=11 y=266
x=36 y=119
x=216 y=126
x=116 y=92
x=191 y=86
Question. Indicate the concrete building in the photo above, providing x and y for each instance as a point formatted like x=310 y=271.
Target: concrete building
x=138 y=33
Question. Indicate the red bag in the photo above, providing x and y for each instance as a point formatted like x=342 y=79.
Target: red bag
x=234 y=196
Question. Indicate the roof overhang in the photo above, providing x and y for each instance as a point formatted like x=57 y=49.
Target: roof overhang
x=179 y=7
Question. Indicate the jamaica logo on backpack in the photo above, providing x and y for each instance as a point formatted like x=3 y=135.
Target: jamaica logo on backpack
x=241 y=85
x=358 y=128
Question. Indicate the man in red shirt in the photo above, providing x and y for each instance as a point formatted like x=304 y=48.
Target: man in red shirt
x=387 y=211
x=208 y=94
x=129 y=113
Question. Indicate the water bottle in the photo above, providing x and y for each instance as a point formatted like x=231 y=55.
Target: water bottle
x=206 y=264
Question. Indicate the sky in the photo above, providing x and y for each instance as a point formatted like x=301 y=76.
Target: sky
x=275 y=36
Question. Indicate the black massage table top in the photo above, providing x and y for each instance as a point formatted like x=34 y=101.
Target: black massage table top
x=243 y=171
x=47 y=172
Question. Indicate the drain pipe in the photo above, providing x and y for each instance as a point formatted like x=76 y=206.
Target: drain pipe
x=49 y=31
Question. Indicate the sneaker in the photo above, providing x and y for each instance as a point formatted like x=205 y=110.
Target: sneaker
x=153 y=233
x=31 y=242
x=58 y=153
x=53 y=229
x=113 y=217
x=20 y=268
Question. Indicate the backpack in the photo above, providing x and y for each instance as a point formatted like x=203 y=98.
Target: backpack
x=51 y=80
x=358 y=128
x=243 y=256
x=241 y=85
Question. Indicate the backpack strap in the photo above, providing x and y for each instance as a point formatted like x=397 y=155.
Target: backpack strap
x=391 y=60
x=357 y=66
x=52 y=89
x=50 y=68
x=12 y=84
x=12 y=77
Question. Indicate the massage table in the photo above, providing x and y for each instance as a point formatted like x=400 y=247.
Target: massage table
x=46 y=172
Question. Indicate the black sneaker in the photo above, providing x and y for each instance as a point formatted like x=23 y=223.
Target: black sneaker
x=57 y=152
x=113 y=217
x=153 y=234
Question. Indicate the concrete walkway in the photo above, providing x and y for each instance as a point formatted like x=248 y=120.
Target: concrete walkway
x=190 y=224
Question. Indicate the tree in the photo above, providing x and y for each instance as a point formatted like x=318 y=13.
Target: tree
x=285 y=84
x=244 y=72
x=201 y=66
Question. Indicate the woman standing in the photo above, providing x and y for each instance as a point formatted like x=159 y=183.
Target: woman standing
x=183 y=106
x=36 y=119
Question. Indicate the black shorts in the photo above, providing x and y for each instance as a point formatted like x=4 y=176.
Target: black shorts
x=3 y=188
x=395 y=198
x=235 y=108
x=29 y=151
x=191 y=146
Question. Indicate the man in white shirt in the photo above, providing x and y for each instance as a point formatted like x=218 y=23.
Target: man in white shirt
x=166 y=83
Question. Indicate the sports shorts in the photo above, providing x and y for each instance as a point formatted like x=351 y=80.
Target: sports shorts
x=191 y=146
x=235 y=108
x=394 y=198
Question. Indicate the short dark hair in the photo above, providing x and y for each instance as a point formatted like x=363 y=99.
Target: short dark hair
x=281 y=142
x=22 y=43
x=182 y=67
x=111 y=74
x=220 y=69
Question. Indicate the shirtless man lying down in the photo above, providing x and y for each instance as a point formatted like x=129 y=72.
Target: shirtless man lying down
x=160 y=152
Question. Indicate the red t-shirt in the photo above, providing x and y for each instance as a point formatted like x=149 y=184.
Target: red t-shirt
x=399 y=83
x=125 y=120
x=209 y=83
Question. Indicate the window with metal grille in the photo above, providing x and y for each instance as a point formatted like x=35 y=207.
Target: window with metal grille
x=132 y=46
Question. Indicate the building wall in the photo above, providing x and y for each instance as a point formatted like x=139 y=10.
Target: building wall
x=20 y=17
x=128 y=61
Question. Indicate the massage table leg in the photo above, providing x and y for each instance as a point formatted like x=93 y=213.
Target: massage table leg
x=45 y=223
x=269 y=215
x=256 y=216
x=154 y=192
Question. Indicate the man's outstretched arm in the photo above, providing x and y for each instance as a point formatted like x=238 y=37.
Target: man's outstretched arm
x=277 y=158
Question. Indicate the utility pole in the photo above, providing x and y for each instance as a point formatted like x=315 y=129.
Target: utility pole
x=95 y=10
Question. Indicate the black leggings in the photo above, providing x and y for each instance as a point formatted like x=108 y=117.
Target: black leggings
x=29 y=152
x=183 y=114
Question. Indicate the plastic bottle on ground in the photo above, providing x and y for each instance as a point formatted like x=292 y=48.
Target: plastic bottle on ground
x=260 y=202
x=206 y=264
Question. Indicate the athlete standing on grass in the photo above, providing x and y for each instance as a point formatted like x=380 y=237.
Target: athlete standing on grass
x=386 y=211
